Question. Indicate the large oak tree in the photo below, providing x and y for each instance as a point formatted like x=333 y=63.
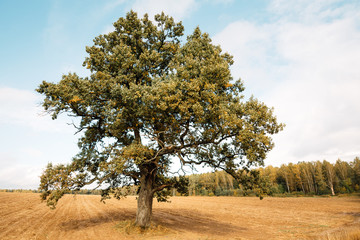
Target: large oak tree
x=151 y=101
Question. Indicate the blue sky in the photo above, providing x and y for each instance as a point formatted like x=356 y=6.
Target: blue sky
x=301 y=57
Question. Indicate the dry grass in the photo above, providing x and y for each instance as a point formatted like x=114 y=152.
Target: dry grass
x=23 y=216
x=340 y=235
x=129 y=227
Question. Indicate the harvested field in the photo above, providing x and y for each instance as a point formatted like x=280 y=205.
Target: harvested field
x=24 y=216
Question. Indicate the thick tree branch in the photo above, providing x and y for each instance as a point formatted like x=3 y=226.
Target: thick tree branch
x=161 y=187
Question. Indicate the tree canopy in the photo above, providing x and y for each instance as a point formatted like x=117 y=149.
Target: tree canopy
x=153 y=99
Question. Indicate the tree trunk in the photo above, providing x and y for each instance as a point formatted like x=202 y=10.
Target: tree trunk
x=145 y=201
x=332 y=190
x=287 y=183
x=331 y=186
x=302 y=187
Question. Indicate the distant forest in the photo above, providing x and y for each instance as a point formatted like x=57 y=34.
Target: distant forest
x=303 y=178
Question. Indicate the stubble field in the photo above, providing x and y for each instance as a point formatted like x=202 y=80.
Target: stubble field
x=24 y=216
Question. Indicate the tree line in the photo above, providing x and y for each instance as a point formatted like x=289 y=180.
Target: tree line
x=303 y=178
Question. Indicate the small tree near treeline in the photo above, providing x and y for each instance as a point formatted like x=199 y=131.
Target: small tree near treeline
x=150 y=101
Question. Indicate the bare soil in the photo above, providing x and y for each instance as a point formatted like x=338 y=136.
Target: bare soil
x=24 y=216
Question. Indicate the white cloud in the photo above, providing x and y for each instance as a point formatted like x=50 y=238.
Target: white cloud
x=32 y=152
x=170 y=7
x=251 y=46
x=308 y=11
x=20 y=176
x=22 y=108
x=306 y=66
x=29 y=139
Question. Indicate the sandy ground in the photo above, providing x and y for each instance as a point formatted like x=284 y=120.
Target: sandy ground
x=24 y=216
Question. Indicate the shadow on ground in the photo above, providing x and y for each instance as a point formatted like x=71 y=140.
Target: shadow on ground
x=106 y=217
x=177 y=220
x=194 y=221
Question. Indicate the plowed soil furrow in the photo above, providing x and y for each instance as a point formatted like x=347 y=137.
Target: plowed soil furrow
x=18 y=220
x=31 y=219
x=86 y=214
x=48 y=226
x=24 y=216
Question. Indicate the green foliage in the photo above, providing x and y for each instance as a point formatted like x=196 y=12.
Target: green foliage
x=151 y=100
